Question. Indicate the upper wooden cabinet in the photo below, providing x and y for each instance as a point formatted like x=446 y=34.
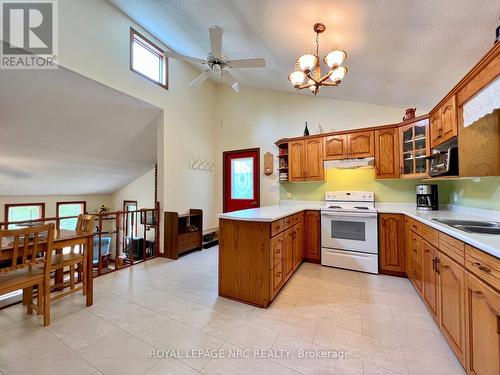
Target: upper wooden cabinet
x=361 y=144
x=414 y=149
x=305 y=160
x=352 y=145
x=444 y=122
x=392 y=244
x=387 y=153
x=336 y=147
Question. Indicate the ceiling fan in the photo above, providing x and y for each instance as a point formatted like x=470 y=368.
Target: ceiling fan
x=217 y=62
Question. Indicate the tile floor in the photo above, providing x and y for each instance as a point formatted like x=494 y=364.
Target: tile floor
x=173 y=307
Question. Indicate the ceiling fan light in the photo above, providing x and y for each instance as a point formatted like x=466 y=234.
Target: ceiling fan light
x=297 y=78
x=307 y=62
x=335 y=58
x=338 y=73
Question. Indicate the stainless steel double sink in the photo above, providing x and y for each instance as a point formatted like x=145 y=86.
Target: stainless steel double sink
x=473 y=226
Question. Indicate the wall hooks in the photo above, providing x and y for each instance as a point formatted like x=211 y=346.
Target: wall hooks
x=201 y=165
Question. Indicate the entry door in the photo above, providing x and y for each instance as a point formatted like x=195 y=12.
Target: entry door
x=241 y=179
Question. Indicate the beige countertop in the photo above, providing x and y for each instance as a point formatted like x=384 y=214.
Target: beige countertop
x=487 y=243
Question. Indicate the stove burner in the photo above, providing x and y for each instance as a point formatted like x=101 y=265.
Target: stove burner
x=361 y=208
x=334 y=207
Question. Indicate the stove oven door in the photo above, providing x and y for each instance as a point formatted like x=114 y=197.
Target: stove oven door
x=349 y=231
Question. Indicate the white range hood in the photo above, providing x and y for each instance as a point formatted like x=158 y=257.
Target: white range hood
x=350 y=163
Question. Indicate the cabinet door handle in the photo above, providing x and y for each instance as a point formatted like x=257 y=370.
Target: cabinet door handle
x=434 y=264
x=485 y=269
x=438 y=266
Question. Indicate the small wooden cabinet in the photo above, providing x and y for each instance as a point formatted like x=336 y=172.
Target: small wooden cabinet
x=392 y=244
x=361 y=144
x=452 y=305
x=444 y=122
x=335 y=147
x=305 y=160
x=482 y=329
x=312 y=236
x=414 y=149
x=386 y=153
x=347 y=146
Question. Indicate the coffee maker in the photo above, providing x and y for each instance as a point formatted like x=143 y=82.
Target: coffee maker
x=427 y=197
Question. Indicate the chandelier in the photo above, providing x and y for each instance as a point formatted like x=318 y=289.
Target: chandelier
x=308 y=70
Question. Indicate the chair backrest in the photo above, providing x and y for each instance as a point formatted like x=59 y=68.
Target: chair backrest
x=85 y=223
x=27 y=246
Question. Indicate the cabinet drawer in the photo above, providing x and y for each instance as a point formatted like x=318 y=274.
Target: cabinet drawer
x=289 y=221
x=277 y=227
x=415 y=226
x=452 y=247
x=431 y=235
x=483 y=265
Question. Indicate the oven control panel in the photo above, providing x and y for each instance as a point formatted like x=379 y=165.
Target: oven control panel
x=355 y=196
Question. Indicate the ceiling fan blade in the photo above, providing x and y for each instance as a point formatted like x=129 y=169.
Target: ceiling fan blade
x=247 y=63
x=184 y=57
x=229 y=78
x=200 y=79
x=215 y=41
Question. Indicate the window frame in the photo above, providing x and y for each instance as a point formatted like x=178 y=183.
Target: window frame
x=155 y=49
x=84 y=203
x=10 y=205
x=58 y=204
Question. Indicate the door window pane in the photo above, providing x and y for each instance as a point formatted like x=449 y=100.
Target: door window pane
x=348 y=230
x=242 y=178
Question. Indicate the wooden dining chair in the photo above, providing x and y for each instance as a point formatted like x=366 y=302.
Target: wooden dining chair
x=77 y=257
x=28 y=251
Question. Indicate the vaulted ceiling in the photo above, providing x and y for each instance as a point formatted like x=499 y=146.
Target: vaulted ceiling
x=62 y=133
x=400 y=53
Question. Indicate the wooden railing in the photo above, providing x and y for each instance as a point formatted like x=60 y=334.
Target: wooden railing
x=134 y=237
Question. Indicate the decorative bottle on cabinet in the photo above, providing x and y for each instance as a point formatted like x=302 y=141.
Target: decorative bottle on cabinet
x=306 y=131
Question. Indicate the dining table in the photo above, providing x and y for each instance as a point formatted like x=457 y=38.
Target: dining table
x=62 y=238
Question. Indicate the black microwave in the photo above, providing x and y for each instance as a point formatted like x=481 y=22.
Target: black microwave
x=444 y=163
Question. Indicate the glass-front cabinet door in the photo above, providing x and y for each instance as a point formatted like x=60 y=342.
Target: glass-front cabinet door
x=415 y=148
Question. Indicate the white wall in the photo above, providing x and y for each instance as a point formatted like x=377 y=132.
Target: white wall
x=258 y=118
x=142 y=190
x=94 y=41
x=93 y=202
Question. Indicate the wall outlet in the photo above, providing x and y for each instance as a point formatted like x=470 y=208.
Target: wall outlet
x=289 y=195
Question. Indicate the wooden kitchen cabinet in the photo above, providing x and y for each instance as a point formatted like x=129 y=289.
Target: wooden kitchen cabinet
x=335 y=147
x=361 y=144
x=288 y=242
x=451 y=304
x=444 y=122
x=298 y=242
x=305 y=160
x=392 y=244
x=312 y=236
x=386 y=153
x=482 y=328
x=430 y=287
x=414 y=261
x=414 y=147
x=296 y=161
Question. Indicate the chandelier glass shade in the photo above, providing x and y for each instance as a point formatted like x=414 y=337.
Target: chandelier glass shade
x=307 y=72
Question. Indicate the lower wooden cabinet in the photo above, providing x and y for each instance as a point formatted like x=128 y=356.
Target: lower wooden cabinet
x=483 y=327
x=392 y=244
x=312 y=236
x=288 y=241
x=414 y=261
x=452 y=305
x=430 y=287
x=298 y=243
